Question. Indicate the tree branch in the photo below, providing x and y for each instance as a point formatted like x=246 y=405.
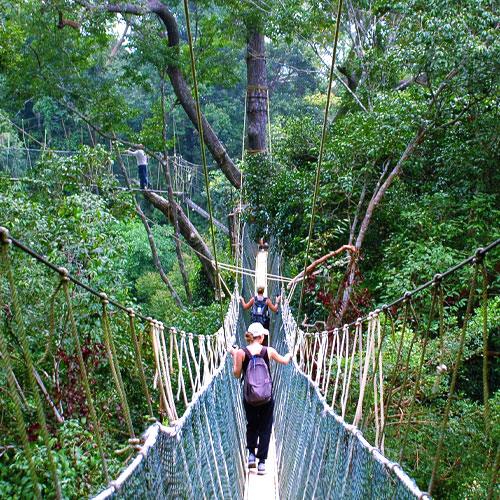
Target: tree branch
x=319 y=261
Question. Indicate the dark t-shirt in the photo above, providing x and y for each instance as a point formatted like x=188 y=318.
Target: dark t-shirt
x=248 y=357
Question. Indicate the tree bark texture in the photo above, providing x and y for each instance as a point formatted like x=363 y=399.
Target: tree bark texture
x=256 y=93
x=187 y=230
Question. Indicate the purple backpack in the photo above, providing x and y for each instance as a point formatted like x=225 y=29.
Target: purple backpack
x=257 y=387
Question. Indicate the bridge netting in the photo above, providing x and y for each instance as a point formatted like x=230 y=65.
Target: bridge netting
x=347 y=375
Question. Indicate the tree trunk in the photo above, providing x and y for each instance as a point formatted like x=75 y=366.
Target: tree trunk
x=382 y=186
x=190 y=234
x=256 y=93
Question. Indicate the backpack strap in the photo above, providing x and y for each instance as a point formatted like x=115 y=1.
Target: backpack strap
x=264 y=354
x=248 y=357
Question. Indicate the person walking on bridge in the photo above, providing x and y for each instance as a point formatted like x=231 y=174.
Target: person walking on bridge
x=253 y=362
x=260 y=307
x=142 y=165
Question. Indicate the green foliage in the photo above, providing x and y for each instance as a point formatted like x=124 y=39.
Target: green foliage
x=77 y=461
x=138 y=253
x=416 y=65
x=200 y=320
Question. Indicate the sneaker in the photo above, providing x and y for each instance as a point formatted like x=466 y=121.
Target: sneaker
x=251 y=461
x=261 y=469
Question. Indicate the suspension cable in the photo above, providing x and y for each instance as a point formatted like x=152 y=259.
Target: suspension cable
x=318 y=170
x=204 y=158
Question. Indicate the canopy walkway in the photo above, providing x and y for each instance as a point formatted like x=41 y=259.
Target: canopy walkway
x=336 y=377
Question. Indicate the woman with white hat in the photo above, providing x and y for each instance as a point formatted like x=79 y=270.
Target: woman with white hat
x=259 y=404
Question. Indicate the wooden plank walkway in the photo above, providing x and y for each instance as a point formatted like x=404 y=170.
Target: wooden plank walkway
x=264 y=487
x=261 y=271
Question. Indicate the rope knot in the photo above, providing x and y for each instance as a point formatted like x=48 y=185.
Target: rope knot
x=478 y=255
x=437 y=279
x=385 y=307
x=4 y=236
x=393 y=465
x=104 y=298
x=114 y=484
x=135 y=443
x=407 y=296
x=130 y=312
x=64 y=273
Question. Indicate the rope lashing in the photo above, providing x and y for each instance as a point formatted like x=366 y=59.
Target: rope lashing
x=256 y=151
x=138 y=360
x=257 y=87
x=114 y=364
x=158 y=381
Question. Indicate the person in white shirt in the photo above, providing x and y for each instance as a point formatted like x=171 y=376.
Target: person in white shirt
x=142 y=165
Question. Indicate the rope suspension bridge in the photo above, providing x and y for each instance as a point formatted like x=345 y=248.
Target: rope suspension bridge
x=342 y=382
x=344 y=407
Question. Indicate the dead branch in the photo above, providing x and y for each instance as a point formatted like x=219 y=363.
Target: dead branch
x=118 y=44
x=67 y=22
x=319 y=261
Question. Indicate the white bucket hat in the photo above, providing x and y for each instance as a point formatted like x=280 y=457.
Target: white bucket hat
x=257 y=330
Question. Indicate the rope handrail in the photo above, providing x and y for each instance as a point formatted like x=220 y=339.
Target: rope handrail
x=6 y=237
x=202 y=356
x=478 y=254
x=390 y=362
x=292 y=340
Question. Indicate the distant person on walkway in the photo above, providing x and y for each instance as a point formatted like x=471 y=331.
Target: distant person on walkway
x=253 y=362
x=142 y=165
x=263 y=245
x=260 y=307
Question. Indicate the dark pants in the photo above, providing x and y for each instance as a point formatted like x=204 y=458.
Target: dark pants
x=259 y=426
x=143 y=175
